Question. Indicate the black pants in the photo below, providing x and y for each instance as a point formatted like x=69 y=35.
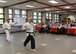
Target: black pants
x=30 y=38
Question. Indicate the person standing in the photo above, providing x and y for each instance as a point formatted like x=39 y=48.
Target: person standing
x=29 y=27
x=7 y=27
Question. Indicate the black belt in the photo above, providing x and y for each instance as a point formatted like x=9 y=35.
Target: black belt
x=30 y=32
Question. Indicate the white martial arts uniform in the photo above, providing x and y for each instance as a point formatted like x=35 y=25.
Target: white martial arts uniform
x=7 y=27
x=29 y=27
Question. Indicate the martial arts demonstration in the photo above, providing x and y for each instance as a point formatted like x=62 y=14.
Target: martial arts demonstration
x=28 y=26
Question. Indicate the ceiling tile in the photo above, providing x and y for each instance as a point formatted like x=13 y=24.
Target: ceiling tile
x=71 y=1
x=46 y=1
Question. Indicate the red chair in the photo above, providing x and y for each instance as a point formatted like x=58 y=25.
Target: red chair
x=38 y=28
x=54 y=29
x=71 y=30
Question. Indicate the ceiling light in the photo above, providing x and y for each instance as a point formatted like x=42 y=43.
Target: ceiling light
x=30 y=6
x=57 y=11
x=46 y=9
x=53 y=1
x=67 y=7
x=2 y=1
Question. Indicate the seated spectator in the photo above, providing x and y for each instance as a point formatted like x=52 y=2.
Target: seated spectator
x=48 y=28
x=43 y=28
x=62 y=28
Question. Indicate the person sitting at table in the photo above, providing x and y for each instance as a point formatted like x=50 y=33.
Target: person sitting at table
x=72 y=24
x=48 y=27
x=52 y=24
x=57 y=24
x=63 y=28
x=43 y=28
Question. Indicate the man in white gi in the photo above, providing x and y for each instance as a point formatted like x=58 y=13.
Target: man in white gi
x=7 y=28
x=29 y=27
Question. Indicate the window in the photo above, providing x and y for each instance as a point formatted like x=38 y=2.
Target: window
x=1 y=16
x=23 y=13
x=56 y=17
x=17 y=13
x=1 y=10
x=39 y=21
x=39 y=14
x=10 y=11
x=35 y=13
x=48 y=16
x=10 y=14
x=35 y=21
x=37 y=17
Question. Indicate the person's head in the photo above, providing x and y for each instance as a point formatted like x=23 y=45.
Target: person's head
x=29 y=20
x=8 y=20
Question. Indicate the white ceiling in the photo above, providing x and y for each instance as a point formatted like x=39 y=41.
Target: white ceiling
x=23 y=6
x=39 y=6
x=59 y=2
x=71 y=1
x=9 y=2
x=50 y=9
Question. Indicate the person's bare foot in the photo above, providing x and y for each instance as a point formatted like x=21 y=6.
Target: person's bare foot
x=33 y=50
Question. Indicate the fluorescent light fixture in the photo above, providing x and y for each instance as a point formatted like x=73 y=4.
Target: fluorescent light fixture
x=53 y=1
x=57 y=11
x=30 y=6
x=46 y=9
x=1 y=1
x=67 y=7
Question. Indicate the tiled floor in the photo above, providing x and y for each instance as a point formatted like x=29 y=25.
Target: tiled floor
x=45 y=44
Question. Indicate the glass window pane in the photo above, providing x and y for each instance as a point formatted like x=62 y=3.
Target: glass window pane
x=57 y=18
x=1 y=21
x=39 y=17
x=24 y=16
x=35 y=17
x=49 y=17
x=46 y=14
x=35 y=13
x=35 y=21
x=55 y=15
x=39 y=14
x=10 y=16
x=17 y=12
x=39 y=21
x=1 y=15
x=10 y=11
x=23 y=12
x=49 y=14
x=1 y=10
x=17 y=16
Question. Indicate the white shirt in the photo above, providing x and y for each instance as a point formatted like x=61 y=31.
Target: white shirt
x=28 y=27
x=7 y=25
